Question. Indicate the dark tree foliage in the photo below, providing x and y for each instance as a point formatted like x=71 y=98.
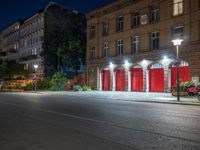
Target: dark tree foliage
x=65 y=47
x=12 y=70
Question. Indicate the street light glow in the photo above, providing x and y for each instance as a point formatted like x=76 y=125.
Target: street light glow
x=111 y=65
x=126 y=63
x=165 y=58
x=177 y=42
x=35 y=66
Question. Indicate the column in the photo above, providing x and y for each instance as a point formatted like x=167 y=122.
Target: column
x=113 y=80
x=169 y=80
x=147 y=80
x=100 y=81
x=129 y=80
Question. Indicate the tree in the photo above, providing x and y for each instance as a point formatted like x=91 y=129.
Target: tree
x=58 y=81
x=12 y=70
x=65 y=47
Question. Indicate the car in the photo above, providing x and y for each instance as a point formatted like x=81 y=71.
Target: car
x=192 y=90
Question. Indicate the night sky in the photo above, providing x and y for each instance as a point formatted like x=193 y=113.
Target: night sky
x=12 y=10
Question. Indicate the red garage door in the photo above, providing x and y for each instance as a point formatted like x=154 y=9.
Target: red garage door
x=120 y=80
x=137 y=79
x=156 y=80
x=106 y=80
x=184 y=74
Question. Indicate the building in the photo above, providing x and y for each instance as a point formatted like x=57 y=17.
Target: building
x=1 y=42
x=129 y=44
x=10 y=38
x=26 y=39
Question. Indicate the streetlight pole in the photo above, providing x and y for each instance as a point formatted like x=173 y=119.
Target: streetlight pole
x=177 y=43
x=35 y=67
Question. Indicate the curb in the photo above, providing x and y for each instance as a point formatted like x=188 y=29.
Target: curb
x=174 y=103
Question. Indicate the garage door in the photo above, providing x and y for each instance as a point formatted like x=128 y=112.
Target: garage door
x=106 y=80
x=120 y=80
x=137 y=79
x=156 y=80
x=184 y=74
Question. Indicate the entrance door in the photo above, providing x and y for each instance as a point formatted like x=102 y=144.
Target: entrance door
x=106 y=80
x=120 y=80
x=156 y=80
x=184 y=72
x=137 y=79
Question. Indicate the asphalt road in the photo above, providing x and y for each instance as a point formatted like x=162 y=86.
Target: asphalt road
x=52 y=121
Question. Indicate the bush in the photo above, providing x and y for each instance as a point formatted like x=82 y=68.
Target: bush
x=183 y=86
x=86 y=88
x=43 y=84
x=58 y=81
x=77 y=88
x=29 y=87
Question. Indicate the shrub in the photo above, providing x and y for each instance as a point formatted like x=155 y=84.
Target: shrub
x=43 y=84
x=58 y=81
x=86 y=88
x=29 y=87
x=77 y=88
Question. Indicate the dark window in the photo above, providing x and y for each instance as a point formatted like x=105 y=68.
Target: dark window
x=120 y=47
x=135 y=42
x=136 y=19
x=92 y=31
x=105 y=28
x=105 y=49
x=92 y=53
x=120 y=24
x=154 y=13
x=178 y=32
x=155 y=40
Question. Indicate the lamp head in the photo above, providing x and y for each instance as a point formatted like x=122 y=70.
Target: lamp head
x=177 y=42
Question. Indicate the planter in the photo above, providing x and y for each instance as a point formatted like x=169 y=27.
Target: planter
x=181 y=93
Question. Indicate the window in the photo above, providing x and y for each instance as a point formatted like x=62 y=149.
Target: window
x=92 y=53
x=105 y=28
x=178 y=32
x=155 y=40
x=120 y=24
x=136 y=19
x=177 y=7
x=105 y=49
x=154 y=13
x=92 y=32
x=120 y=47
x=34 y=51
x=135 y=44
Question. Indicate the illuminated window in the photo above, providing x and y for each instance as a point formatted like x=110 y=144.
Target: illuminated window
x=177 y=7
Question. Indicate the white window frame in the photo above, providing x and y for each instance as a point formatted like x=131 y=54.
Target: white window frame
x=120 y=47
x=177 y=7
x=135 y=44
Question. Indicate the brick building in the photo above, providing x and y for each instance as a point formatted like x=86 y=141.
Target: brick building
x=129 y=44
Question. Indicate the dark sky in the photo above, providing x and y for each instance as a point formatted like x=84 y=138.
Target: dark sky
x=12 y=10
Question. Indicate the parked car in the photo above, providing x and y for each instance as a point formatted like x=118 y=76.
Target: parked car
x=192 y=90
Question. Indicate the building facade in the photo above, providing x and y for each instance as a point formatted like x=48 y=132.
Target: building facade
x=129 y=44
x=10 y=40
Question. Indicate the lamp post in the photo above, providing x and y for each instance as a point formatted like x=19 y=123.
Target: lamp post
x=177 y=43
x=35 y=67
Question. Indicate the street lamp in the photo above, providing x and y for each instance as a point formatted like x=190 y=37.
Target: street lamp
x=35 y=67
x=177 y=43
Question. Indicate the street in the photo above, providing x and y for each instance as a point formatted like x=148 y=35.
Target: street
x=75 y=121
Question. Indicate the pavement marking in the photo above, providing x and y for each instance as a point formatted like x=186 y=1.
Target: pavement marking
x=99 y=121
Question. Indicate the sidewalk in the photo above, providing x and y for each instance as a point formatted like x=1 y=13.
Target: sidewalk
x=135 y=96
